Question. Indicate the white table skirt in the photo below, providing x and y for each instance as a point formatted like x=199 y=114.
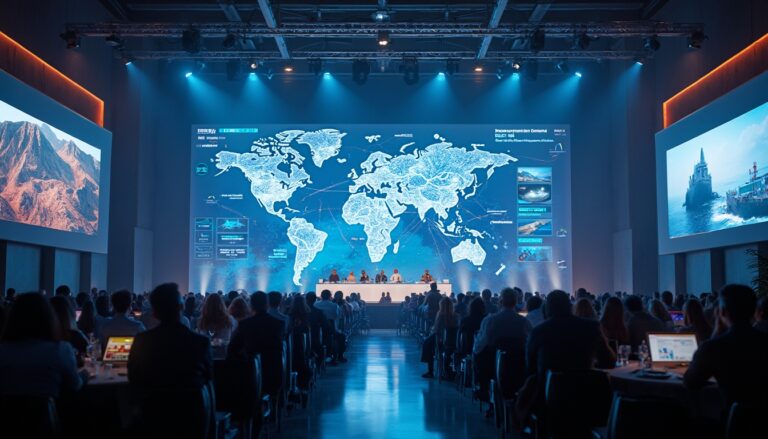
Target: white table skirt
x=371 y=292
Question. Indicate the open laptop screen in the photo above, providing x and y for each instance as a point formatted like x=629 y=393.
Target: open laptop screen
x=672 y=348
x=118 y=349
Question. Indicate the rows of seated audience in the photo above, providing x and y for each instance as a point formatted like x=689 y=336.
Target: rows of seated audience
x=179 y=343
x=522 y=340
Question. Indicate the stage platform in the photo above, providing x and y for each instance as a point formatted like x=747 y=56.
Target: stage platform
x=371 y=292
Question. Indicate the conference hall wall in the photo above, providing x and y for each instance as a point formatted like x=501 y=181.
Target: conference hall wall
x=207 y=100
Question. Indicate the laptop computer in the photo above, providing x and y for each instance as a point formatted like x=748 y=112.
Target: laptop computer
x=118 y=350
x=671 y=349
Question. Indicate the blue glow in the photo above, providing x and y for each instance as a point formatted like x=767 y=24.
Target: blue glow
x=441 y=75
x=578 y=74
x=127 y=63
x=188 y=74
x=515 y=75
x=252 y=76
x=327 y=75
x=638 y=63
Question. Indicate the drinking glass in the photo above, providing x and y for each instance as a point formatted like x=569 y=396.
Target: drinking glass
x=642 y=354
x=108 y=372
x=623 y=355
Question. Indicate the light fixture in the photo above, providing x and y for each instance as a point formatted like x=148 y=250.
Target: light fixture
x=71 y=38
x=516 y=65
x=191 y=40
x=229 y=41
x=254 y=65
x=452 y=66
x=537 y=41
x=696 y=39
x=651 y=43
x=562 y=67
x=361 y=68
x=315 y=66
x=127 y=60
x=383 y=38
x=639 y=61
x=578 y=74
x=114 y=41
x=288 y=69
x=188 y=74
x=478 y=69
x=410 y=70
x=380 y=16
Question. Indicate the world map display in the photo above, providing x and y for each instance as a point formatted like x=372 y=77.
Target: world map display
x=277 y=207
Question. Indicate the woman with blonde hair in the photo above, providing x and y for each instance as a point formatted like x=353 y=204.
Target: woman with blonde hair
x=214 y=319
x=239 y=309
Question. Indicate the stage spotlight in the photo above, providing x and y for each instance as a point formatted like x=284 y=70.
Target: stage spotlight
x=114 y=41
x=516 y=65
x=410 y=70
x=639 y=61
x=441 y=75
x=651 y=43
x=578 y=74
x=383 y=38
x=361 y=68
x=478 y=69
x=288 y=69
x=315 y=66
x=452 y=66
x=562 y=67
x=188 y=74
x=582 y=41
x=127 y=60
x=696 y=39
x=380 y=16
x=254 y=65
x=229 y=41
x=537 y=40
x=191 y=40
x=72 y=39
x=499 y=73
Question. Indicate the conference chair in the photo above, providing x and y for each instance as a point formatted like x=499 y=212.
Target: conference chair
x=744 y=421
x=640 y=418
x=445 y=350
x=29 y=416
x=237 y=385
x=178 y=412
x=576 y=402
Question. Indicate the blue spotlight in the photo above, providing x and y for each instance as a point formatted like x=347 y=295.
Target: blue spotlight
x=252 y=76
x=188 y=74
x=515 y=75
x=440 y=75
x=578 y=74
x=638 y=63
x=327 y=75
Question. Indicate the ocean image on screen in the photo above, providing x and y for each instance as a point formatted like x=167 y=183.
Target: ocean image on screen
x=718 y=179
x=280 y=206
x=48 y=178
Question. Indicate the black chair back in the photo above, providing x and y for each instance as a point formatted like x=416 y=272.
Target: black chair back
x=744 y=422
x=28 y=416
x=577 y=402
x=510 y=370
x=184 y=413
x=466 y=342
x=639 y=418
x=450 y=338
x=237 y=383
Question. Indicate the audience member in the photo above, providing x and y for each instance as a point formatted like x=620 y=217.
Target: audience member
x=534 y=310
x=67 y=326
x=667 y=299
x=566 y=342
x=445 y=319
x=738 y=358
x=87 y=320
x=583 y=309
x=471 y=323
x=612 y=322
x=239 y=309
x=695 y=322
x=214 y=320
x=66 y=292
x=318 y=325
x=10 y=296
x=120 y=325
x=261 y=334
x=33 y=360
x=761 y=315
x=490 y=308
x=461 y=305
x=640 y=323
x=660 y=311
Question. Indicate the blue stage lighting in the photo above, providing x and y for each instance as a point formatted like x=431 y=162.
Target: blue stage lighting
x=578 y=74
x=327 y=75
x=188 y=74
x=441 y=75
x=252 y=76
x=639 y=63
x=515 y=75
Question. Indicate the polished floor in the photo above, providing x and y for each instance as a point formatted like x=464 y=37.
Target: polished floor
x=379 y=393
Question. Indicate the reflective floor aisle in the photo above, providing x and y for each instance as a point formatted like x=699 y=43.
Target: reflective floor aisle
x=380 y=394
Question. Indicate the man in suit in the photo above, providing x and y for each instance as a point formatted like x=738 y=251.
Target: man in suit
x=261 y=334
x=738 y=358
x=165 y=363
x=566 y=342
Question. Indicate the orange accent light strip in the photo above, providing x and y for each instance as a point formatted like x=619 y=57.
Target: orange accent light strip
x=99 y=103
x=739 y=57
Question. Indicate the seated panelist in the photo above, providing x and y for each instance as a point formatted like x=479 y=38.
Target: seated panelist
x=381 y=278
x=364 y=277
x=351 y=278
x=396 y=277
x=426 y=277
x=334 y=277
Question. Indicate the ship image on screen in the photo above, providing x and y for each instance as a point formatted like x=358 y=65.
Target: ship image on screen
x=48 y=178
x=280 y=206
x=719 y=179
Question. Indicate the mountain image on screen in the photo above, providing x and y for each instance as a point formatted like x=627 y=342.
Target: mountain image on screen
x=46 y=180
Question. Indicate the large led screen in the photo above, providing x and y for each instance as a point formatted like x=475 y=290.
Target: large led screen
x=715 y=173
x=54 y=186
x=280 y=206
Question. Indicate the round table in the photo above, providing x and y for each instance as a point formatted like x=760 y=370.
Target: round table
x=706 y=402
